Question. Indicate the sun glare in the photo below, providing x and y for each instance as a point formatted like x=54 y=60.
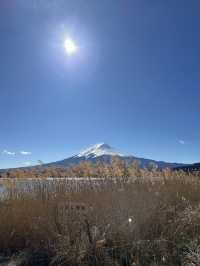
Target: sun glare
x=70 y=46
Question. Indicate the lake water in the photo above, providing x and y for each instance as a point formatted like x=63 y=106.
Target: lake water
x=54 y=184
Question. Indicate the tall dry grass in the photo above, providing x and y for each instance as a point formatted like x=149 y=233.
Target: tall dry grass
x=153 y=219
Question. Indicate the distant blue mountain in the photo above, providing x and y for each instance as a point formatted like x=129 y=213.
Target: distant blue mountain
x=104 y=153
x=189 y=167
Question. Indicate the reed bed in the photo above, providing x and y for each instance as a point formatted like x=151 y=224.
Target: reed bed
x=152 y=219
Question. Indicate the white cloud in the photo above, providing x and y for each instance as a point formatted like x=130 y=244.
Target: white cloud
x=8 y=152
x=25 y=153
x=182 y=142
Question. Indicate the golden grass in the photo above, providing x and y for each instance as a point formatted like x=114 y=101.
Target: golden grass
x=154 y=218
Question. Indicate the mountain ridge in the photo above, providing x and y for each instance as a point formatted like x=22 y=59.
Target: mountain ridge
x=104 y=153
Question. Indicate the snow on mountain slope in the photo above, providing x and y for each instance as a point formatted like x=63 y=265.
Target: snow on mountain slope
x=99 y=150
x=103 y=153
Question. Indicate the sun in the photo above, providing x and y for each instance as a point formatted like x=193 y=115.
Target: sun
x=70 y=46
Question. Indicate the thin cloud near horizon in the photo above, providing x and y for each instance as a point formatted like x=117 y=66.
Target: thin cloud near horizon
x=25 y=152
x=8 y=152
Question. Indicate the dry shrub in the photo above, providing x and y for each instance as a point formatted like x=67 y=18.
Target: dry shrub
x=147 y=220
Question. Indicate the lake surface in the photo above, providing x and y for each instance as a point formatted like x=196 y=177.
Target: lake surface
x=54 y=184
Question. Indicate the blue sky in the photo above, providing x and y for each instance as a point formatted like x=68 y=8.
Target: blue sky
x=133 y=83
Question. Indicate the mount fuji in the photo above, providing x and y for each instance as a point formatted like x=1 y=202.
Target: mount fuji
x=103 y=152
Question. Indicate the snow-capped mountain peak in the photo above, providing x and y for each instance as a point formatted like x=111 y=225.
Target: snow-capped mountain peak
x=99 y=150
x=102 y=152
